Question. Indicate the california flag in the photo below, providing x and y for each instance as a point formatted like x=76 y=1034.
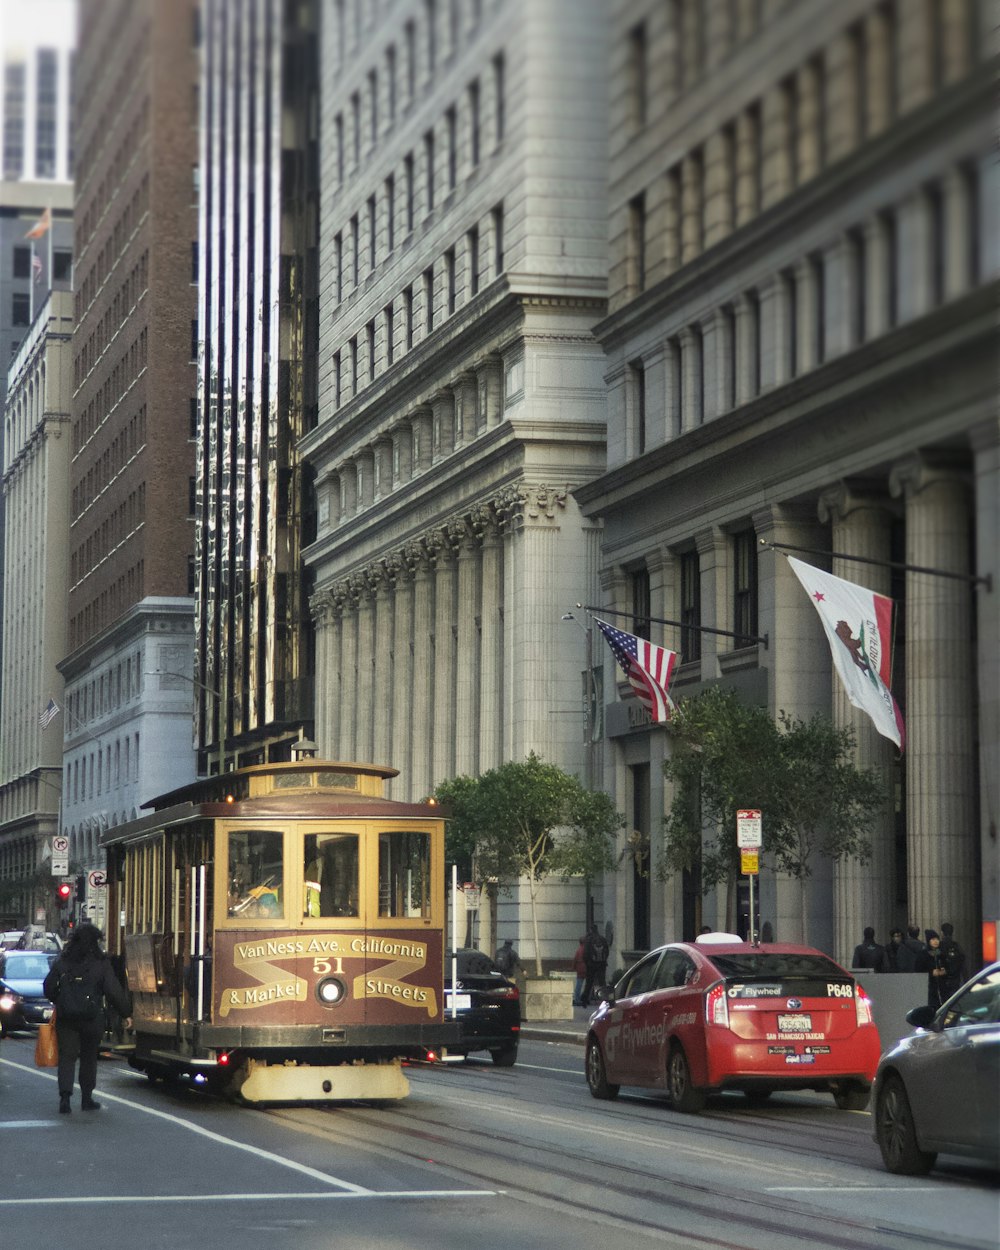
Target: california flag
x=858 y=625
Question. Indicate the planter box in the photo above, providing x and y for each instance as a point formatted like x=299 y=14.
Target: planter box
x=547 y=998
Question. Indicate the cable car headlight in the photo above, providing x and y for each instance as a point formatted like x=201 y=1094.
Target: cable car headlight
x=331 y=991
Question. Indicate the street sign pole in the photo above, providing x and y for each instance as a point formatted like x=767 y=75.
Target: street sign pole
x=749 y=840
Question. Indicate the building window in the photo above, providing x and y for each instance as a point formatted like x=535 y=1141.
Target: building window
x=408 y=179
x=21 y=310
x=390 y=74
x=390 y=213
x=637 y=386
x=389 y=344
x=373 y=104
x=430 y=7
x=355 y=249
x=639 y=584
x=22 y=262
x=887 y=221
x=690 y=577
x=410 y=37
x=429 y=298
x=637 y=242
x=192 y=495
x=429 y=168
x=745 y=587
x=496 y=219
x=356 y=127
x=451 y=123
x=472 y=251
x=353 y=349
x=499 y=100
x=408 y=316
x=193 y=419
x=817 y=273
x=372 y=231
x=338 y=130
x=449 y=270
x=474 y=111
x=370 y=339
x=638 y=77
x=336 y=380
x=338 y=265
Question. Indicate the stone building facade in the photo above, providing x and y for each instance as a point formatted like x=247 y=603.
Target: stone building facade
x=131 y=525
x=36 y=451
x=801 y=350
x=461 y=399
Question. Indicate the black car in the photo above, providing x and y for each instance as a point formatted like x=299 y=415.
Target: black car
x=486 y=1004
x=11 y=1013
x=24 y=972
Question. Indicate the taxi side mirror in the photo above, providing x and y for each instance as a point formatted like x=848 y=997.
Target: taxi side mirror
x=606 y=994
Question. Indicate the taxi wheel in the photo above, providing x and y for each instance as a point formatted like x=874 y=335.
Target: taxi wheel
x=851 y=1097
x=896 y=1133
x=684 y=1096
x=597 y=1076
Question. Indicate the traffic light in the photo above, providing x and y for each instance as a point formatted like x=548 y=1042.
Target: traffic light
x=81 y=888
x=63 y=891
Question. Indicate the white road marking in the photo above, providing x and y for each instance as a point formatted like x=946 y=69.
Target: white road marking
x=851 y=1189
x=28 y=1124
x=313 y=1173
x=108 y=1199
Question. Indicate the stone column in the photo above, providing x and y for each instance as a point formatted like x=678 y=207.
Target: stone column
x=690 y=414
x=671 y=221
x=807 y=309
x=809 y=154
x=655 y=370
x=383 y=576
x=881 y=72
x=422 y=718
x=837 y=292
x=916 y=274
x=443 y=746
x=714 y=577
x=674 y=388
x=956 y=20
x=692 y=197
x=776 y=144
x=491 y=641
x=719 y=189
x=443 y=428
x=877 y=270
x=744 y=350
x=490 y=408
x=713 y=365
x=467 y=643
x=842 y=96
x=748 y=156
x=347 y=594
x=916 y=53
x=402 y=671
x=772 y=330
x=863 y=894
x=464 y=393
x=421 y=425
x=957 y=223
x=367 y=589
x=940 y=760
x=799 y=683
x=402 y=453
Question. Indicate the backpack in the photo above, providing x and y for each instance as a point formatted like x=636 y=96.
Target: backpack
x=596 y=950
x=505 y=960
x=80 y=998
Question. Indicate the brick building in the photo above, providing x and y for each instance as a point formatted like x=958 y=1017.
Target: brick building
x=129 y=689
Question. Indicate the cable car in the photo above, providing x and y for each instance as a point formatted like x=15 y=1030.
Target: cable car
x=281 y=928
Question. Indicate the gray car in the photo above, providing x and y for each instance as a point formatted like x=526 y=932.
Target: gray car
x=936 y=1091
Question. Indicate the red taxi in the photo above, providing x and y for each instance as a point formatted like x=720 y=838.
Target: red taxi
x=694 y=1018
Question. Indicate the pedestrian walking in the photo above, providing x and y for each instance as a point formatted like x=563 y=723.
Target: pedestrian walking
x=595 y=955
x=913 y=943
x=955 y=973
x=508 y=960
x=933 y=964
x=898 y=956
x=580 y=968
x=869 y=953
x=78 y=983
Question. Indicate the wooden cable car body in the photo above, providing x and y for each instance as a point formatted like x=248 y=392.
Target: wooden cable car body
x=281 y=928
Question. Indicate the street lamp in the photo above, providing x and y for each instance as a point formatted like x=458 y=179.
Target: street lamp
x=590 y=701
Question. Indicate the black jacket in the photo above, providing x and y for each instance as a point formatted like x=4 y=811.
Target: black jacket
x=98 y=971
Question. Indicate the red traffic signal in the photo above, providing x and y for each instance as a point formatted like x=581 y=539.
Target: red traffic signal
x=63 y=891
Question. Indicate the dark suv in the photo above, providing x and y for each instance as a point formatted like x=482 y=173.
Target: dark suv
x=487 y=1005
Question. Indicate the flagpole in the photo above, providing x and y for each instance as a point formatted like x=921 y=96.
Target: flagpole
x=986 y=580
x=661 y=620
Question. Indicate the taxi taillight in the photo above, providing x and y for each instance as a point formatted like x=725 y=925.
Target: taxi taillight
x=717 y=1006
x=863 y=1007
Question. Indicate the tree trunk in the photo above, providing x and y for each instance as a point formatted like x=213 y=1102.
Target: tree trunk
x=532 y=894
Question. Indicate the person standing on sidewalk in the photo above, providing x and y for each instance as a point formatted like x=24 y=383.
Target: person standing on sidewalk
x=580 y=968
x=78 y=983
x=595 y=954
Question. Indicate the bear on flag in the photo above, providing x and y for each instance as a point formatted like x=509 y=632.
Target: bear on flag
x=858 y=627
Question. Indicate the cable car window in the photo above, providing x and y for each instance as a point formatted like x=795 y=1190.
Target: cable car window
x=330 y=868
x=256 y=875
x=404 y=874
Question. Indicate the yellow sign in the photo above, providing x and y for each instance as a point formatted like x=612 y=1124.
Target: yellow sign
x=750 y=863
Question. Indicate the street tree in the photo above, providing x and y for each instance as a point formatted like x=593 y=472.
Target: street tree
x=530 y=819
x=728 y=755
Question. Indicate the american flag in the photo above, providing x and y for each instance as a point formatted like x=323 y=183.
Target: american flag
x=36 y=268
x=647 y=667
x=50 y=712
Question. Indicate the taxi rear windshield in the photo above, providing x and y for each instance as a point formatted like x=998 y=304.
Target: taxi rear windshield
x=773 y=967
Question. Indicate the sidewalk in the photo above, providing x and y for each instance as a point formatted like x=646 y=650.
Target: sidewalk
x=574 y=1030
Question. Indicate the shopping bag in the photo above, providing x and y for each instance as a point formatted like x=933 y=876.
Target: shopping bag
x=46 y=1046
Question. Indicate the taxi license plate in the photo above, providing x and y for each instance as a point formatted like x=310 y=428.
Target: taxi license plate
x=794 y=1024
x=461 y=1002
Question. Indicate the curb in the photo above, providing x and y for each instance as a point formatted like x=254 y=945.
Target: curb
x=553 y=1035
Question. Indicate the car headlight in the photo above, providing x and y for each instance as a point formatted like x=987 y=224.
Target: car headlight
x=7 y=1002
